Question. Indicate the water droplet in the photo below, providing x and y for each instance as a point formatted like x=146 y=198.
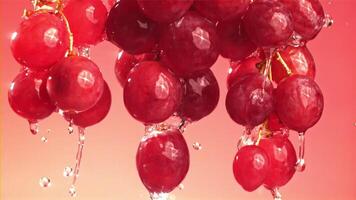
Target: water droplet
x=45 y=182
x=159 y=196
x=197 y=146
x=44 y=139
x=68 y=171
x=84 y=51
x=49 y=131
x=72 y=191
x=70 y=128
x=300 y=165
x=181 y=186
x=34 y=128
x=276 y=194
x=328 y=21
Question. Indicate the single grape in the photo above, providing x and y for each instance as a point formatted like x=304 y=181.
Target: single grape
x=28 y=96
x=87 y=20
x=249 y=101
x=152 y=93
x=165 y=11
x=239 y=69
x=234 y=43
x=201 y=95
x=190 y=44
x=268 y=23
x=129 y=29
x=41 y=41
x=162 y=161
x=282 y=159
x=75 y=84
x=250 y=167
x=94 y=114
x=299 y=102
x=221 y=10
x=298 y=59
x=307 y=16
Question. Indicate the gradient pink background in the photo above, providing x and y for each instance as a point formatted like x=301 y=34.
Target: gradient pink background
x=108 y=169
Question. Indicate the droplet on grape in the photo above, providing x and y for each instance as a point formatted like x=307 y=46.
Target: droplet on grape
x=181 y=186
x=68 y=171
x=197 y=146
x=34 y=127
x=159 y=196
x=70 y=127
x=45 y=182
x=276 y=194
x=328 y=21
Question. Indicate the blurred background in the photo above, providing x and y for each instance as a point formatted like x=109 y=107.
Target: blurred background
x=108 y=168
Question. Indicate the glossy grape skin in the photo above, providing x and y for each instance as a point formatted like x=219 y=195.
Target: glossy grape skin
x=234 y=43
x=249 y=101
x=87 y=20
x=75 y=84
x=201 y=95
x=94 y=114
x=241 y=68
x=28 y=96
x=190 y=44
x=129 y=29
x=299 y=102
x=125 y=62
x=307 y=16
x=162 y=161
x=250 y=167
x=298 y=59
x=41 y=41
x=268 y=23
x=282 y=160
x=165 y=11
x=152 y=93
x=221 y=10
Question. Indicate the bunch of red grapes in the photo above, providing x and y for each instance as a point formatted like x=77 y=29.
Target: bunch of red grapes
x=167 y=49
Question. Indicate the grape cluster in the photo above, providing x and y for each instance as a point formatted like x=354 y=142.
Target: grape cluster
x=54 y=76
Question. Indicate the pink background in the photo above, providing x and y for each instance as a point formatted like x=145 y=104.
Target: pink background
x=108 y=169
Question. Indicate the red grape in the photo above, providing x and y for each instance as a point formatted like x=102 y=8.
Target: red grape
x=41 y=41
x=282 y=159
x=221 y=10
x=165 y=10
x=162 y=161
x=249 y=101
x=298 y=59
x=75 y=84
x=87 y=20
x=268 y=23
x=299 y=102
x=152 y=93
x=234 y=43
x=274 y=123
x=250 y=167
x=190 y=44
x=201 y=95
x=239 y=69
x=94 y=114
x=307 y=16
x=129 y=29
x=28 y=96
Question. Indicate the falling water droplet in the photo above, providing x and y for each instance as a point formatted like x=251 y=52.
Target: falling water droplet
x=328 y=21
x=197 y=146
x=72 y=191
x=181 y=186
x=34 y=128
x=276 y=194
x=45 y=182
x=70 y=127
x=44 y=139
x=49 y=131
x=300 y=165
x=68 y=171
x=159 y=196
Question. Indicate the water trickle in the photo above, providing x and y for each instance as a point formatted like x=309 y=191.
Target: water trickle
x=34 y=127
x=45 y=182
x=300 y=165
x=197 y=146
x=276 y=194
x=328 y=21
x=67 y=172
x=159 y=196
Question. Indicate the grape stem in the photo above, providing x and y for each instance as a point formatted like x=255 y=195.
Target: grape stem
x=285 y=66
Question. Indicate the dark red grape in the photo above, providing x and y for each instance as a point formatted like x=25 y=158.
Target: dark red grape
x=241 y=68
